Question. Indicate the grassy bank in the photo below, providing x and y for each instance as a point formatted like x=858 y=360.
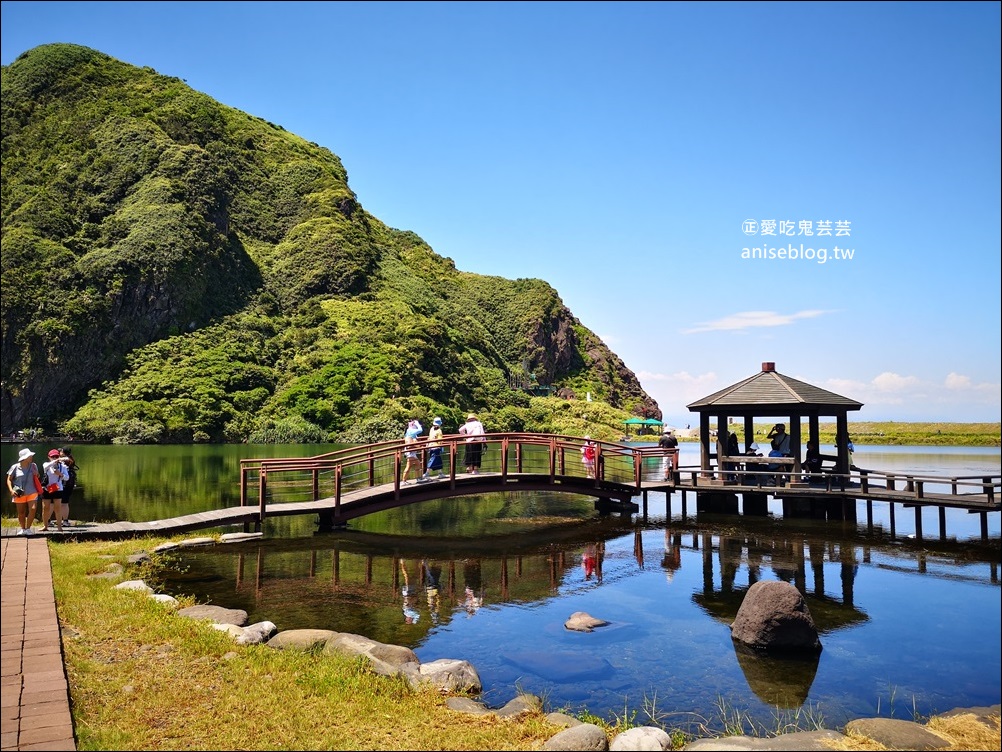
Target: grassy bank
x=142 y=678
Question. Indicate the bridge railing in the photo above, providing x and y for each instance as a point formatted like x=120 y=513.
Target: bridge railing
x=334 y=474
x=974 y=491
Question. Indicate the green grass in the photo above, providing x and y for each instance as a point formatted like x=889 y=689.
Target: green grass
x=143 y=678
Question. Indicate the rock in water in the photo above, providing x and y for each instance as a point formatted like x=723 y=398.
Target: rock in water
x=774 y=617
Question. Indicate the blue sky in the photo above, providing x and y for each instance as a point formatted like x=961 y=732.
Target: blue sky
x=627 y=153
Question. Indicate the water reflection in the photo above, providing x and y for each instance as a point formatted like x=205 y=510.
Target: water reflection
x=782 y=681
x=501 y=601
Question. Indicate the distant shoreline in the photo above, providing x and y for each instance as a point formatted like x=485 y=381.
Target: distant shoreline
x=882 y=433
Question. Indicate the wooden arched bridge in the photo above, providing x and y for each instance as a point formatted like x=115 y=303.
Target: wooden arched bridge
x=349 y=483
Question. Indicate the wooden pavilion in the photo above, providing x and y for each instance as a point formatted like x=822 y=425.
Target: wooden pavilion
x=770 y=394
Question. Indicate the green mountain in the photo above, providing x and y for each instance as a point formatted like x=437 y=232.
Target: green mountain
x=176 y=270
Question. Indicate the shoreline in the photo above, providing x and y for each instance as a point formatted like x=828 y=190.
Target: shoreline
x=875 y=433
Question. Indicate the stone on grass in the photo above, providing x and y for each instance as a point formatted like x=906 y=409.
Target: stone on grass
x=641 y=738
x=134 y=585
x=301 y=639
x=216 y=614
x=585 y=737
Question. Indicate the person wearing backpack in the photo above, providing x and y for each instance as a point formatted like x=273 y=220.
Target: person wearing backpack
x=52 y=494
x=23 y=485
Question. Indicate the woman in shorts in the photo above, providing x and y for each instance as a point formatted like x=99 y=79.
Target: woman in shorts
x=21 y=484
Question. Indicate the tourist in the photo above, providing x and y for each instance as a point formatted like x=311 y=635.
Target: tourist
x=474 y=455
x=434 y=451
x=414 y=429
x=23 y=485
x=669 y=443
x=588 y=456
x=780 y=441
x=52 y=491
x=812 y=458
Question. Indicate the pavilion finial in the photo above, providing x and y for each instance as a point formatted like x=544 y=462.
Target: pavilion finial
x=768 y=367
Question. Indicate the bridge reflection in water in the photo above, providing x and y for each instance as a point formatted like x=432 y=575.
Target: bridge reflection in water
x=401 y=589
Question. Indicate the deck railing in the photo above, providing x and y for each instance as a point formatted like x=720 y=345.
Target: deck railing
x=332 y=475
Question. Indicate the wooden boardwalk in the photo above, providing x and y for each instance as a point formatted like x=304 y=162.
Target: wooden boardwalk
x=344 y=485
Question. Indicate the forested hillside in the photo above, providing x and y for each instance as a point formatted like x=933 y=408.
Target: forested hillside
x=176 y=270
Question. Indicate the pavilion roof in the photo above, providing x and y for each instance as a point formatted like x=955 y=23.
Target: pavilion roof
x=769 y=388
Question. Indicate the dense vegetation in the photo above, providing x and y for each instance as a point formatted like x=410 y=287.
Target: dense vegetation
x=175 y=270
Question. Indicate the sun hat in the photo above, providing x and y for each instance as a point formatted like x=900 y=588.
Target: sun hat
x=437 y=422
x=53 y=453
x=471 y=416
x=754 y=447
x=25 y=454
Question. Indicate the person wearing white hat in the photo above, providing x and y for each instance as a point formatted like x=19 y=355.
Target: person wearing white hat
x=474 y=454
x=21 y=480
x=588 y=452
x=414 y=429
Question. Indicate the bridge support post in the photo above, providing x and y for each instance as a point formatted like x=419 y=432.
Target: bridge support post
x=717 y=502
x=755 y=504
x=805 y=507
x=606 y=505
x=327 y=521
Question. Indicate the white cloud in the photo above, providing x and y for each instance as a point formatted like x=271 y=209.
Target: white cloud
x=892 y=382
x=752 y=320
x=956 y=381
x=892 y=396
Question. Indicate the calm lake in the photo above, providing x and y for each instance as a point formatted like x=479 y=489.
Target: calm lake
x=908 y=626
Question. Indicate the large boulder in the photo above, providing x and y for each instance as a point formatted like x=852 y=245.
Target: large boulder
x=774 y=618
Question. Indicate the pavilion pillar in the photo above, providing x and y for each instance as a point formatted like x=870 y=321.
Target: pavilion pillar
x=722 y=430
x=704 y=442
x=842 y=442
x=795 y=441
